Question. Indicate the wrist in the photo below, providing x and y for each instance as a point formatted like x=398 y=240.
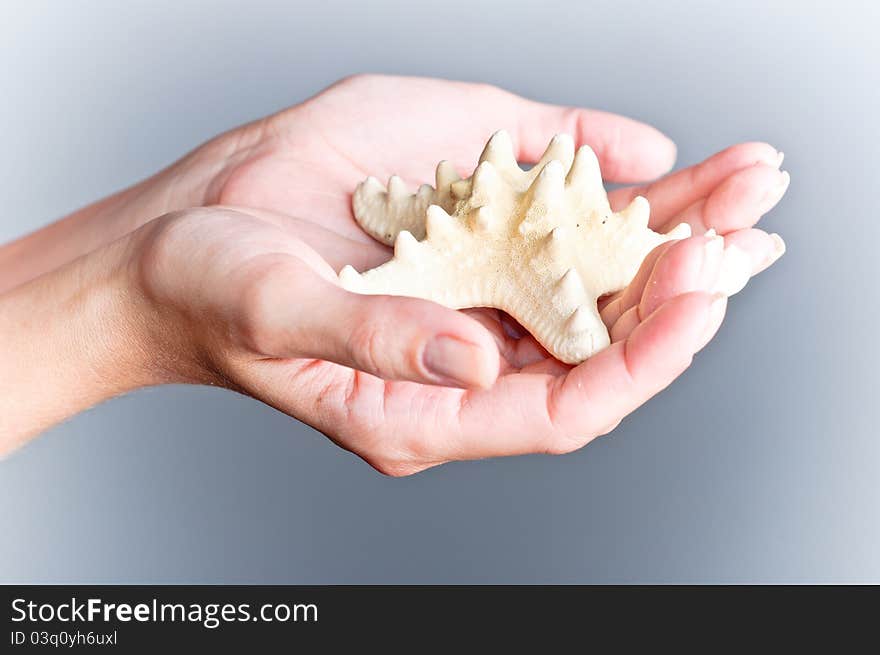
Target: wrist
x=133 y=349
x=163 y=318
x=71 y=339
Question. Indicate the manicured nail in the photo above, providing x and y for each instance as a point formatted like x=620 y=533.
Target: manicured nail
x=778 y=243
x=774 y=195
x=453 y=361
x=778 y=248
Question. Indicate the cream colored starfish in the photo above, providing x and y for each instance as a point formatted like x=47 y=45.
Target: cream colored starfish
x=543 y=245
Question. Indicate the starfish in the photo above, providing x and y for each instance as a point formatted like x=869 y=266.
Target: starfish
x=542 y=245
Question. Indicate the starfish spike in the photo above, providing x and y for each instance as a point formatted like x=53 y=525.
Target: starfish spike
x=542 y=245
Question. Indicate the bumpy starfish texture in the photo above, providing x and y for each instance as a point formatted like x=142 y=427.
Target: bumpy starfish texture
x=542 y=245
x=383 y=214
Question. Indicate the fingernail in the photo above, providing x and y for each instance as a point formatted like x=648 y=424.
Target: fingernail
x=774 y=194
x=779 y=244
x=778 y=249
x=779 y=158
x=713 y=319
x=453 y=361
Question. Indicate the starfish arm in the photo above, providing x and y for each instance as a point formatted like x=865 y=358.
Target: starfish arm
x=385 y=213
x=421 y=269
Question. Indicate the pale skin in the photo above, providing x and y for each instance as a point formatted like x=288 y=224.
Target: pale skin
x=221 y=269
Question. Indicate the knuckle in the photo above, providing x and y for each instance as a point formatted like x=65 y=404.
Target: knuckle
x=563 y=443
x=366 y=430
x=357 y=79
x=395 y=468
x=488 y=89
x=482 y=90
x=353 y=78
x=382 y=343
x=164 y=242
x=388 y=453
x=492 y=93
x=608 y=429
x=415 y=448
x=364 y=346
x=256 y=321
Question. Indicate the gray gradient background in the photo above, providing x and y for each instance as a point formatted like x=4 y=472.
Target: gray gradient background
x=759 y=464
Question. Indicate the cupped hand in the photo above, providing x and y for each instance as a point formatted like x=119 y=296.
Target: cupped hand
x=248 y=299
x=305 y=161
x=366 y=370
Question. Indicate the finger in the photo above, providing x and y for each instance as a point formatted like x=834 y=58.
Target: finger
x=738 y=202
x=761 y=248
x=687 y=265
x=527 y=351
x=532 y=413
x=335 y=249
x=626 y=374
x=549 y=366
x=516 y=352
x=677 y=191
x=629 y=297
x=489 y=319
x=705 y=263
x=394 y=338
x=628 y=151
x=511 y=326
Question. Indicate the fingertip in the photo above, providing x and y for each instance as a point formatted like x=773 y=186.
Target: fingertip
x=655 y=153
x=761 y=249
x=451 y=361
x=778 y=245
x=487 y=364
x=742 y=199
x=488 y=377
x=668 y=154
x=749 y=153
x=404 y=338
x=459 y=351
x=643 y=153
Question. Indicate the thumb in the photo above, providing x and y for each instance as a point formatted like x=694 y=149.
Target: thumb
x=393 y=337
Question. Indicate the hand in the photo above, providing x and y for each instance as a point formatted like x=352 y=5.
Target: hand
x=221 y=304
x=246 y=301
x=305 y=162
